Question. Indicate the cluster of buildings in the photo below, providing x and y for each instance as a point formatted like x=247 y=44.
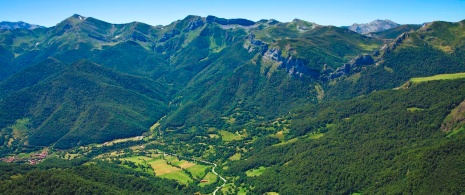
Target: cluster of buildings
x=32 y=159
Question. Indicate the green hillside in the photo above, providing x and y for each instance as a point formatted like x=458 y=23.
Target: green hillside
x=81 y=103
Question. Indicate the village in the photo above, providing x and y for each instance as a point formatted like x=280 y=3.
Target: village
x=32 y=159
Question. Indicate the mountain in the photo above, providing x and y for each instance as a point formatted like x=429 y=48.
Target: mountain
x=340 y=112
x=18 y=25
x=394 y=32
x=374 y=26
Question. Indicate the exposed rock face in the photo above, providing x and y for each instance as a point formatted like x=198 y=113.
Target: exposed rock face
x=18 y=25
x=354 y=65
x=222 y=21
x=374 y=26
x=194 y=24
x=294 y=67
x=393 y=45
x=256 y=44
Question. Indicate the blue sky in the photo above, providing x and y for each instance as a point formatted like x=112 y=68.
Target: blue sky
x=326 y=12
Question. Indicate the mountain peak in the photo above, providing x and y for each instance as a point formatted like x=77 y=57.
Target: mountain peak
x=373 y=26
x=18 y=25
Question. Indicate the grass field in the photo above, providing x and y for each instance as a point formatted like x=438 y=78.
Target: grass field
x=212 y=178
x=168 y=167
x=179 y=176
x=137 y=159
x=316 y=136
x=198 y=171
x=235 y=157
x=228 y=136
x=438 y=77
x=255 y=172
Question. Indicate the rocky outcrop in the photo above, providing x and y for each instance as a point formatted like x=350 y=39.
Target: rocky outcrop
x=353 y=66
x=374 y=26
x=222 y=21
x=256 y=45
x=194 y=24
x=393 y=45
x=294 y=67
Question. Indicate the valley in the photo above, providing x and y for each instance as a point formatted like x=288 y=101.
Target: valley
x=208 y=105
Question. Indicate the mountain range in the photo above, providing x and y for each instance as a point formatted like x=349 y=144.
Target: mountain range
x=18 y=25
x=316 y=108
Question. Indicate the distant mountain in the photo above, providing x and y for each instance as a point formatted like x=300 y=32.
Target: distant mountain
x=374 y=26
x=395 y=32
x=16 y=25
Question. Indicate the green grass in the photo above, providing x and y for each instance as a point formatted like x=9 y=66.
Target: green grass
x=452 y=133
x=235 y=157
x=413 y=109
x=228 y=136
x=354 y=78
x=137 y=159
x=438 y=77
x=287 y=142
x=179 y=176
x=316 y=136
x=20 y=127
x=255 y=172
x=271 y=193
x=369 y=47
x=197 y=171
x=212 y=178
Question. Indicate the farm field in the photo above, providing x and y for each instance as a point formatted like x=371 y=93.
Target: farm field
x=210 y=177
x=169 y=167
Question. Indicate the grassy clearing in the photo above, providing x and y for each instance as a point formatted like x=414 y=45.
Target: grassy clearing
x=20 y=128
x=137 y=159
x=413 y=109
x=271 y=193
x=320 y=92
x=316 y=136
x=198 y=171
x=438 y=77
x=179 y=176
x=452 y=133
x=161 y=167
x=242 y=191
x=228 y=136
x=210 y=177
x=213 y=136
x=287 y=142
x=371 y=47
x=354 y=78
x=255 y=172
x=235 y=157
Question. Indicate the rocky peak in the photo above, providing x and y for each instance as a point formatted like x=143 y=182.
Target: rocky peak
x=374 y=26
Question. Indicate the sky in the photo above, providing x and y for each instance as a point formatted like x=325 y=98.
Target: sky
x=162 y=12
